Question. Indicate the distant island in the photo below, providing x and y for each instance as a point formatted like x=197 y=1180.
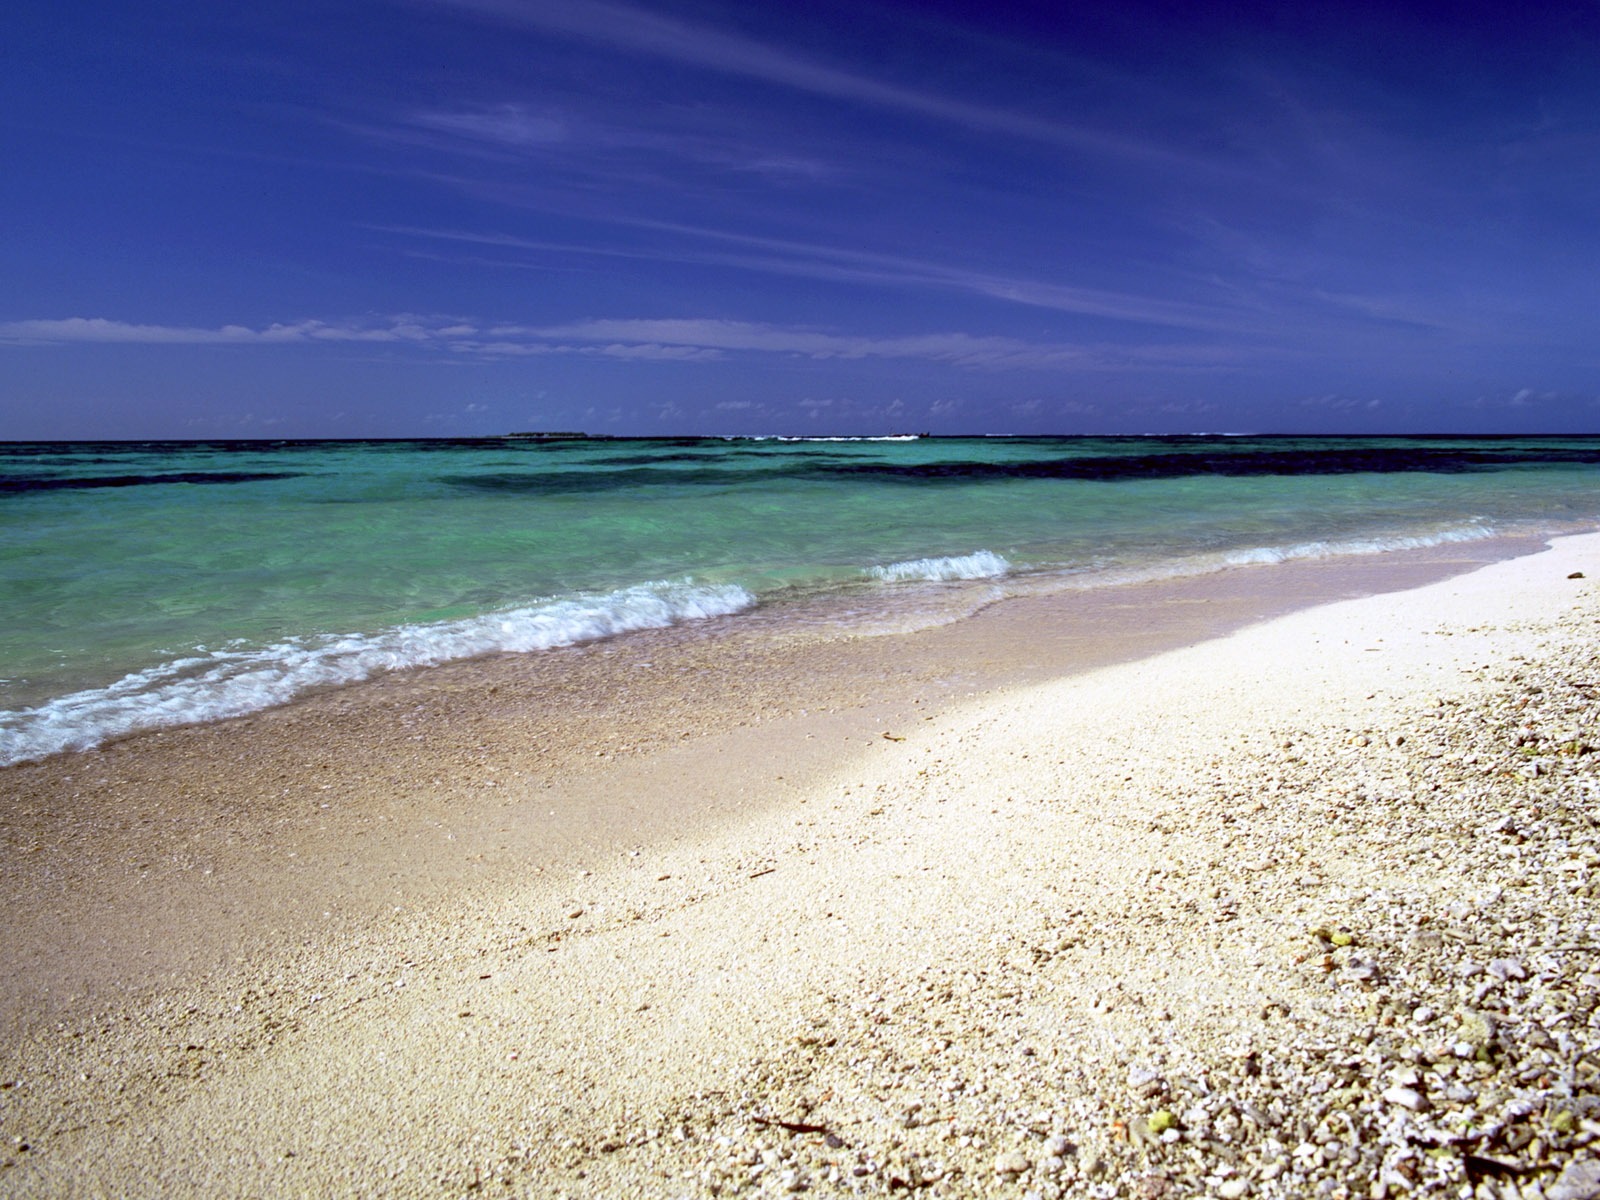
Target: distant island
x=565 y=435
x=553 y=436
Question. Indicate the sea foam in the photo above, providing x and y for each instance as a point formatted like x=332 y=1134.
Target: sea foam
x=1378 y=545
x=984 y=564
x=215 y=684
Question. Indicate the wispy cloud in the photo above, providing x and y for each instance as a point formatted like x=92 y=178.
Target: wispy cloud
x=960 y=349
x=637 y=30
x=807 y=260
x=505 y=124
x=99 y=329
x=664 y=340
x=513 y=343
x=867 y=266
x=1334 y=402
x=578 y=140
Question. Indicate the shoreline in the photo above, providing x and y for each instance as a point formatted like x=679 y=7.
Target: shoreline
x=445 y=776
x=82 y=716
x=636 y=958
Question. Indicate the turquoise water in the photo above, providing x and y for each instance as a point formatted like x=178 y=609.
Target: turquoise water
x=157 y=583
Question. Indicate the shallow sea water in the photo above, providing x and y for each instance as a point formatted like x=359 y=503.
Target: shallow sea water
x=149 y=584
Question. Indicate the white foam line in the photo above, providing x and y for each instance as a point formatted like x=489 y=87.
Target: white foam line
x=214 y=685
x=983 y=564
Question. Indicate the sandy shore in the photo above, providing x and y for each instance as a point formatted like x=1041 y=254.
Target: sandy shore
x=1305 y=903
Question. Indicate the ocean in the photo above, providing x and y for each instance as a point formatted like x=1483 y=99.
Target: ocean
x=147 y=584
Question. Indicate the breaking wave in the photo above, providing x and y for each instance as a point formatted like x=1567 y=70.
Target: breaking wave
x=1338 y=549
x=212 y=685
x=983 y=564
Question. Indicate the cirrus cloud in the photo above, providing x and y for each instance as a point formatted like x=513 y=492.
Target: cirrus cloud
x=100 y=329
x=666 y=340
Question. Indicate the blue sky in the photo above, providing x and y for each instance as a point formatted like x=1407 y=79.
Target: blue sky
x=443 y=217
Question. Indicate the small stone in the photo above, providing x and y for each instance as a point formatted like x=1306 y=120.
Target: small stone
x=1162 y=1120
x=1232 y=1189
x=1579 y=1180
x=1141 y=1077
x=1406 y=1097
x=1057 y=1146
x=1012 y=1162
x=1476 y=1029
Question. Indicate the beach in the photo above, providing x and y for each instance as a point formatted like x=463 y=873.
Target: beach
x=1244 y=884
